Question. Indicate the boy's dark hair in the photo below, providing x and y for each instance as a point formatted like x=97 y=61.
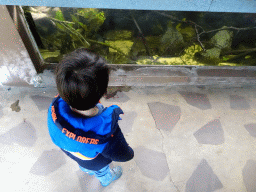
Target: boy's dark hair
x=82 y=78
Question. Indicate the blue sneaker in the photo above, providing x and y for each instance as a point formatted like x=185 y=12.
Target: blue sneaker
x=90 y=173
x=116 y=174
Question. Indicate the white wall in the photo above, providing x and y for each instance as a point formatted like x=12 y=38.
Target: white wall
x=16 y=67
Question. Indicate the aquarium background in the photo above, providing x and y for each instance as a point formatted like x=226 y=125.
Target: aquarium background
x=146 y=37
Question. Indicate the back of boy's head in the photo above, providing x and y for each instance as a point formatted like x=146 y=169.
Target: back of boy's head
x=82 y=79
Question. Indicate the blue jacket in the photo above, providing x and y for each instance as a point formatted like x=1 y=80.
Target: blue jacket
x=95 y=141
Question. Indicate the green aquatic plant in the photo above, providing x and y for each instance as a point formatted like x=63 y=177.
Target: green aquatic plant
x=89 y=19
x=178 y=27
x=225 y=58
x=80 y=31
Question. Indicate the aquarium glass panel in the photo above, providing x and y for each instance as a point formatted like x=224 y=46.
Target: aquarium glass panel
x=146 y=37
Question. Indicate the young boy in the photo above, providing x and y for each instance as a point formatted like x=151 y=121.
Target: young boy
x=83 y=129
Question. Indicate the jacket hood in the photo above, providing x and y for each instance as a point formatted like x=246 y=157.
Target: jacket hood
x=75 y=132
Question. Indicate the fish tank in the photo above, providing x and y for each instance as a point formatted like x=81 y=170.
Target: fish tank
x=145 y=37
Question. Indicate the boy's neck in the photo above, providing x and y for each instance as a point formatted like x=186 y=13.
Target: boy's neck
x=91 y=112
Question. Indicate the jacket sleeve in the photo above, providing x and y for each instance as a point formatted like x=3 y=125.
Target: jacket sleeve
x=117 y=148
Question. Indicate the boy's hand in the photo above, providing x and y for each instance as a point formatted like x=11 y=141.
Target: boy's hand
x=101 y=107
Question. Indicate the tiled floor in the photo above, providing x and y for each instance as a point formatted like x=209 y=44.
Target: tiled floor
x=185 y=139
